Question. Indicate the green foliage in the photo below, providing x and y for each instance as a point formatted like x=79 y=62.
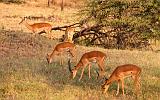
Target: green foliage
x=139 y=16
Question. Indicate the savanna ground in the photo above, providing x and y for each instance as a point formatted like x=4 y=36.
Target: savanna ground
x=26 y=75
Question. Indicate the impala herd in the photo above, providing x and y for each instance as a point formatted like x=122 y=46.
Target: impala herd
x=118 y=75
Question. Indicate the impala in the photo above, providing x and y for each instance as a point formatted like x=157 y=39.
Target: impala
x=69 y=34
x=120 y=73
x=37 y=27
x=86 y=59
x=59 y=49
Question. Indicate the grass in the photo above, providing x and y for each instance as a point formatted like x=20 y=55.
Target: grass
x=25 y=74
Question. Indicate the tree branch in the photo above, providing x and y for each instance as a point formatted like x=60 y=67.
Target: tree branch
x=62 y=28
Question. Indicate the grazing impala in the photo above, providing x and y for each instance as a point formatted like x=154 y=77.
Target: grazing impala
x=37 y=27
x=120 y=73
x=86 y=59
x=59 y=49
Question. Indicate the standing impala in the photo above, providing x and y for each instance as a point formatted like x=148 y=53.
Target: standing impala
x=69 y=34
x=59 y=49
x=86 y=59
x=120 y=73
x=37 y=27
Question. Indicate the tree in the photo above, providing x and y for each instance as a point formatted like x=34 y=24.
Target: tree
x=121 y=23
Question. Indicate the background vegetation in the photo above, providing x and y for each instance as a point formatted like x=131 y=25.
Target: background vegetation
x=122 y=23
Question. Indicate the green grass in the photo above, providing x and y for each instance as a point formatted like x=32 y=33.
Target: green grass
x=26 y=75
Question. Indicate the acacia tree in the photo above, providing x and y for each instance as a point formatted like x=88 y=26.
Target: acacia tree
x=121 y=23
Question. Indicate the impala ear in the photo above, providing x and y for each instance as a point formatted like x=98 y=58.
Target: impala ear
x=48 y=54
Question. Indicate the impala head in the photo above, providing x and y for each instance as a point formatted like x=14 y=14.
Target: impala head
x=73 y=71
x=100 y=75
x=49 y=59
x=105 y=86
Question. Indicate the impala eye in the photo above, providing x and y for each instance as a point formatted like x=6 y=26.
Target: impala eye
x=103 y=88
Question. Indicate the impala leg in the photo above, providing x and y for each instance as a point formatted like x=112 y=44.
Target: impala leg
x=122 y=81
x=136 y=83
x=81 y=74
x=61 y=60
x=49 y=32
x=34 y=33
x=118 y=88
x=89 y=70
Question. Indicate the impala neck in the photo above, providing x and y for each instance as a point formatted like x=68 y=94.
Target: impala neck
x=52 y=54
x=27 y=25
x=78 y=66
x=110 y=80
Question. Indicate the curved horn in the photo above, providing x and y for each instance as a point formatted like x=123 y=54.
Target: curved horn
x=69 y=65
x=97 y=73
x=105 y=78
x=22 y=20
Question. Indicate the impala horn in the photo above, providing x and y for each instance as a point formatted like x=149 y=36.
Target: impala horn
x=22 y=20
x=97 y=73
x=69 y=65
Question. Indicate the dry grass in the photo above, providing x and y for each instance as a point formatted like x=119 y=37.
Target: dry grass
x=25 y=74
